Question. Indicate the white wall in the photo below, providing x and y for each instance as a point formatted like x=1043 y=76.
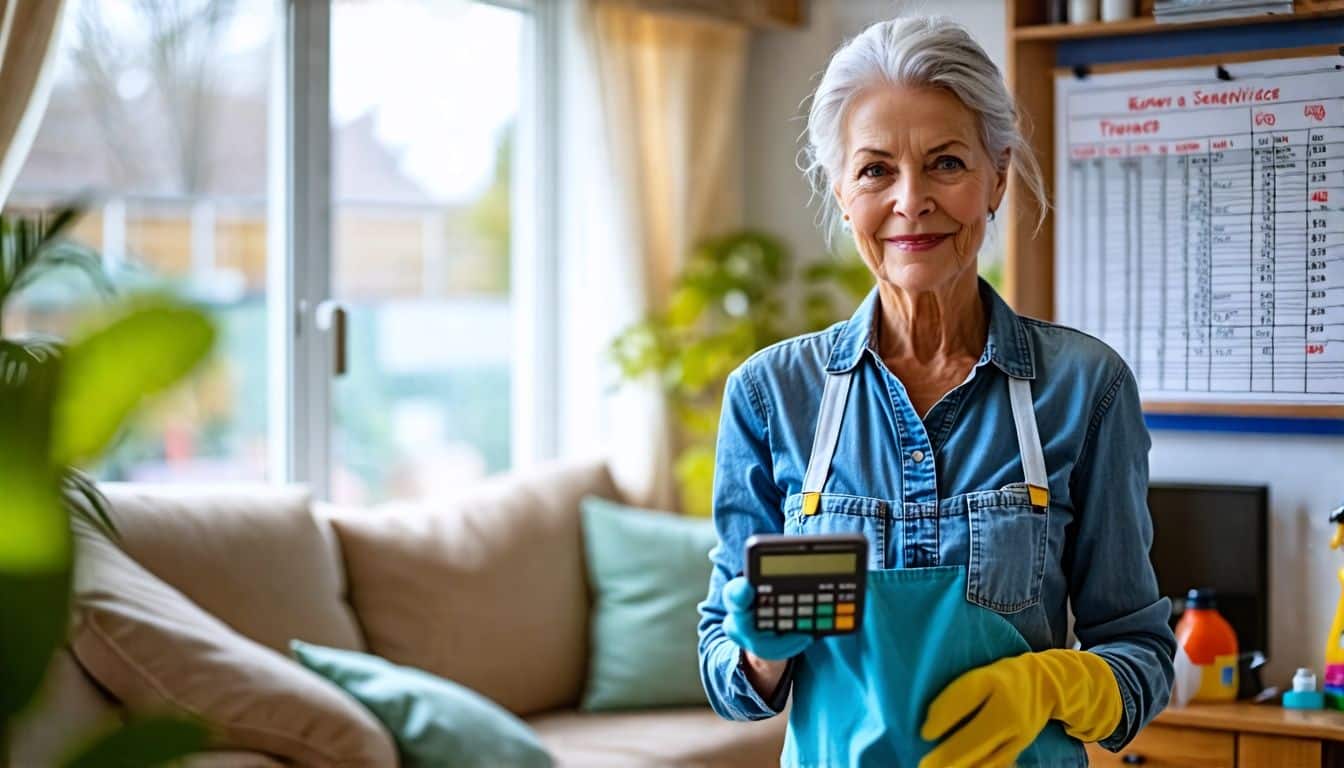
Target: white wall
x=1305 y=474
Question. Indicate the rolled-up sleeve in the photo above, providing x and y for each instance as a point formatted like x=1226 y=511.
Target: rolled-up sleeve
x=746 y=501
x=1118 y=613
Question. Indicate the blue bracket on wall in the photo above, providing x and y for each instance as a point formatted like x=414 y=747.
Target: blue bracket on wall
x=1244 y=424
x=1165 y=45
x=1082 y=53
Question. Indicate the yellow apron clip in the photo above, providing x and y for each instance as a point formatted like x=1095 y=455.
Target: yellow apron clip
x=811 y=501
x=1040 y=497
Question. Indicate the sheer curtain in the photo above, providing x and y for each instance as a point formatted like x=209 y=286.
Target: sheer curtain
x=28 y=45
x=660 y=165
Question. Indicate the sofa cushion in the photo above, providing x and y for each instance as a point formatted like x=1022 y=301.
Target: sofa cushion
x=435 y=722
x=692 y=737
x=488 y=592
x=253 y=556
x=647 y=571
x=155 y=650
x=68 y=708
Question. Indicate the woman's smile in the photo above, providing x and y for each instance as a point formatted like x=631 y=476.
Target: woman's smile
x=912 y=243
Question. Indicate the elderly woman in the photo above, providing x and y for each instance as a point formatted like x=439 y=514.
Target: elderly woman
x=996 y=464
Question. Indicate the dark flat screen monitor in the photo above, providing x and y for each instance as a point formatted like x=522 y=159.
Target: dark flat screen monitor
x=1215 y=536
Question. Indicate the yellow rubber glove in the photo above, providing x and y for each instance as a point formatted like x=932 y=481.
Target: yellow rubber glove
x=1012 y=699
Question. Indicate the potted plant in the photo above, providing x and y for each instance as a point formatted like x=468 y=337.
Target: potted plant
x=61 y=404
x=736 y=294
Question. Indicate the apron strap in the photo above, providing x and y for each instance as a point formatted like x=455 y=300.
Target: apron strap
x=824 y=440
x=832 y=412
x=1029 y=441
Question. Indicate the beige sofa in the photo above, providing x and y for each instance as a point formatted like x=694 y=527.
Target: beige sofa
x=194 y=608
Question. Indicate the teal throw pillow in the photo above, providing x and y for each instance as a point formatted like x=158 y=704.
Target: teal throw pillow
x=647 y=572
x=434 y=721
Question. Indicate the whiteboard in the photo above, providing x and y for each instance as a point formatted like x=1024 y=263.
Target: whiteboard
x=1200 y=227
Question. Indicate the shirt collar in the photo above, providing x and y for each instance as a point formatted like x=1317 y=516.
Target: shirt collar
x=1006 y=343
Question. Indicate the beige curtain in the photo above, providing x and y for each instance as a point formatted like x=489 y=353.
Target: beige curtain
x=671 y=89
x=28 y=43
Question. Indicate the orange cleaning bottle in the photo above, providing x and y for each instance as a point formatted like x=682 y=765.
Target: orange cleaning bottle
x=1211 y=645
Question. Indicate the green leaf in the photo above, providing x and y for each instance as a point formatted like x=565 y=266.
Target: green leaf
x=61 y=255
x=146 y=350
x=83 y=499
x=141 y=744
x=26 y=240
x=35 y=546
x=35 y=604
x=34 y=533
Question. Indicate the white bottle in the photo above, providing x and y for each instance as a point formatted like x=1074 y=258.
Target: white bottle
x=1082 y=11
x=1304 y=680
x=1117 y=10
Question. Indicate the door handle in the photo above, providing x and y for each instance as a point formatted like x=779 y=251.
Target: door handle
x=331 y=318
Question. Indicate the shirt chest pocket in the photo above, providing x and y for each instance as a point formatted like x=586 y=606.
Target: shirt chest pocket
x=1008 y=540
x=841 y=513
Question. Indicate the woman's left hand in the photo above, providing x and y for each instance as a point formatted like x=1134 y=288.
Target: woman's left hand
x=1011 y=700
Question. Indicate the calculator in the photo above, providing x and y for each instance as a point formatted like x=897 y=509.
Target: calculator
x=810 y=584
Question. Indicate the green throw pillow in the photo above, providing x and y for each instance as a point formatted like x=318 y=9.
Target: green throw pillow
x=435 y=722
x=647 y=571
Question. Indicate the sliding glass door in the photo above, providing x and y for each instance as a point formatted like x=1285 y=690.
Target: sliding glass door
x=425 y=103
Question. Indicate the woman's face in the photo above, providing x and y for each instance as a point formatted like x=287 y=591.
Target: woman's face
x=917 y=185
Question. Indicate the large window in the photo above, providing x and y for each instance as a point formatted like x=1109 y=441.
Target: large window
x=158 y=119
x=177 y=119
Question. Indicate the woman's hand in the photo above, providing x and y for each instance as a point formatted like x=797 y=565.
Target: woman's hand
x=1010 y=701
x=767 y=651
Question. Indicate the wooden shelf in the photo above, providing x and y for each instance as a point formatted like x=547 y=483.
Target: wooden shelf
x=1258 y=718
x=1148 y=25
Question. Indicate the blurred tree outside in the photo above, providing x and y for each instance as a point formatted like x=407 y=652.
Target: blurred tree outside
x=490 y=219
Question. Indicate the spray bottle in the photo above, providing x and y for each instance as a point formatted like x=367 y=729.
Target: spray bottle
x=1334 y=646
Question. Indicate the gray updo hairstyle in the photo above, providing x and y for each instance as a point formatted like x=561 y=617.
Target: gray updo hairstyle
x=919 y=51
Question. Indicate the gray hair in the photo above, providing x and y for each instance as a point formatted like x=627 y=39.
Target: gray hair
x=919 y=51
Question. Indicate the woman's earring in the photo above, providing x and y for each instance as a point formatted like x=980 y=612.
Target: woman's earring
x=991 y=214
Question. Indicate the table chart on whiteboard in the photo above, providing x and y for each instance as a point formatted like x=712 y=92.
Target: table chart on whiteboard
x=1199 y=227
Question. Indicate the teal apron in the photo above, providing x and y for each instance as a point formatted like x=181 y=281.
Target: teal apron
x=860 y=699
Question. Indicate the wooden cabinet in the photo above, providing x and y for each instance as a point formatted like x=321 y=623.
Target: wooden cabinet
x=1233 y=736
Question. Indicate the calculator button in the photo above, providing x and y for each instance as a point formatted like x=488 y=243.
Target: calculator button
x=804 y=610
x=825 y=610
x=786 y=623
x=844 y=622
x=826 y=598
x=845 y=609
x=847 y=596
x=804 y=623
x=805 y=598
x=823 y=623
x=848 y=587
x=784 y=598
x=785 y=610
x=765 y=623
x=765 y=589
x=765 y=612
x=826 y=586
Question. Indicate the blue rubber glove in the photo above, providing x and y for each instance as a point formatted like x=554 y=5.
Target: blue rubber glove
x=740 y=626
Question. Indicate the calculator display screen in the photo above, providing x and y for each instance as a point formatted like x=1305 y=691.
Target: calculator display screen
x=806 y=565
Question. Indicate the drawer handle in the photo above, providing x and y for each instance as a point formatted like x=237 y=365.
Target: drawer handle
x=1133 y=759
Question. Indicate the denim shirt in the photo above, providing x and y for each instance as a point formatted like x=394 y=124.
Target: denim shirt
x=948 y=489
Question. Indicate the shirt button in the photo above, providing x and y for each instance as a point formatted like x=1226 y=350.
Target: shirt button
x=917 y=456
